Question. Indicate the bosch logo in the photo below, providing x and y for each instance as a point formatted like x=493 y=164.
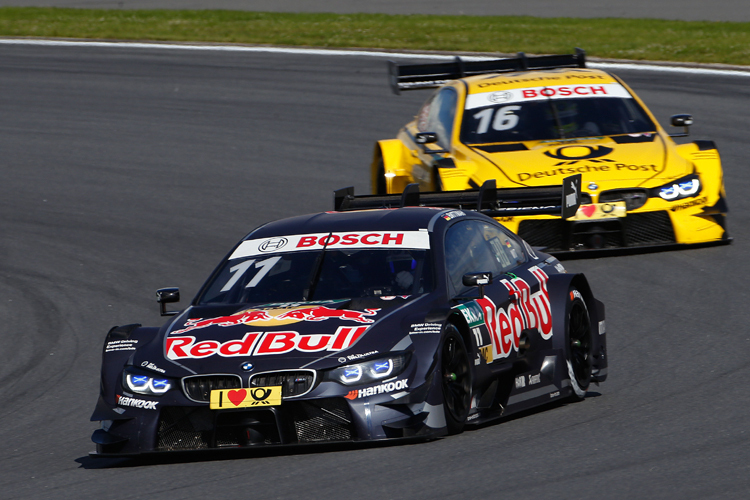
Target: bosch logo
x=272 y=245
x=498 y=97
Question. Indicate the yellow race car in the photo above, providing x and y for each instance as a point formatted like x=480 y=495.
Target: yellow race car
x=531 y=121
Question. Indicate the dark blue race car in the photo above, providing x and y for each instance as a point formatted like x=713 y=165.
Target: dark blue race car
x=358 y=324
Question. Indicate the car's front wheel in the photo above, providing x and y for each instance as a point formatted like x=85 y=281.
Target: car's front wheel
x=455 y=373
x=578 y=345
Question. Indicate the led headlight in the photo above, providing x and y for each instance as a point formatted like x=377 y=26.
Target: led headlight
x=370 y=370
x=682 y=188
x=141 y=383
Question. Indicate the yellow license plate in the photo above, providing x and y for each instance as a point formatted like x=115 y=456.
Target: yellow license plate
x=601 y=211
x=252 y=397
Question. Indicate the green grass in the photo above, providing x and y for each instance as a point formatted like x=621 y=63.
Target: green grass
x=638 y=39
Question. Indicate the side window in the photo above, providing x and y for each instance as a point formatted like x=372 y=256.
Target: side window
x=467 y=250
x=437 y=115
x=475 y=247
x=507 y=250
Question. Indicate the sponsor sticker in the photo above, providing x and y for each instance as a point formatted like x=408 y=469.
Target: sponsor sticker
x=136 y=403
x=529 y=310
x=120 y=345
x=262 y=344
x=569 y=91
x=253 y=397
x=274 y=317
x=331 y=241
x=689 y=204
x=596 y=211
x=383 y=388
x=420 y=328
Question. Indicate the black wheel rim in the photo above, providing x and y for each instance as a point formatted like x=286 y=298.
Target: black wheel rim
x=456 y=378
x=579 y=335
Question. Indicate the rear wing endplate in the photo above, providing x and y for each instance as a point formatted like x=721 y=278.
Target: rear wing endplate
x=432 y=75
x=488 y=199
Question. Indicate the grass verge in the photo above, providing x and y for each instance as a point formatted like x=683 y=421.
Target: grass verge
x=636 y=39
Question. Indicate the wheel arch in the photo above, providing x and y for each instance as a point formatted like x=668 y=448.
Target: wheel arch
x=390 y=155
x=558 y=287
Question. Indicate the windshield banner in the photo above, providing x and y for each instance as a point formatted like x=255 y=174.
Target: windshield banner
x=550 y=92
x=333 y=241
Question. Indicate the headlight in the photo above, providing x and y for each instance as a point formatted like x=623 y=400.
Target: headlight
x=369 y=371
x=682 y=188
x=141 y=383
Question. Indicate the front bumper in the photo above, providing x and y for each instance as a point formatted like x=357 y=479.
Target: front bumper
x=644 y=229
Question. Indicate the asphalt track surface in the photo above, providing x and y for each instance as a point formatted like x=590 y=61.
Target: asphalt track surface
x=687 y=10
x=125 y=170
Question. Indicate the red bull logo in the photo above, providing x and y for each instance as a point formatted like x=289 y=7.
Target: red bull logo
x=243 y=318
x=263 y=344
x=526 y=310
x=273 y=317
x=321 y=313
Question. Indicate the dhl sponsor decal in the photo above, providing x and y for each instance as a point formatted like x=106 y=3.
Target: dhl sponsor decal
x=262 y=344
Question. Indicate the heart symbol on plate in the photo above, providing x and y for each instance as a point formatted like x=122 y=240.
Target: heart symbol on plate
x=237 y=397
x=588 y=210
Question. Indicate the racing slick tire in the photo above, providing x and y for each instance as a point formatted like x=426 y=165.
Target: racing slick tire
x=456 y=379
x=578 y=345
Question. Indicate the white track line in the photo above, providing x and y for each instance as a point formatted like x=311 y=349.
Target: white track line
x=698 y=70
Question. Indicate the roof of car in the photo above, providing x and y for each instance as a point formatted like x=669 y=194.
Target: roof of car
x=399 y=219
x=540 y=78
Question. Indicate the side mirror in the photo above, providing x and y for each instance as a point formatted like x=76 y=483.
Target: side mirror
x=682 y=121
x=477 y=279
x=166 y=296
x=424 y=138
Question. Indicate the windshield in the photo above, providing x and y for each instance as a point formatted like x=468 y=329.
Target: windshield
x=550 y=119
x=320 y=275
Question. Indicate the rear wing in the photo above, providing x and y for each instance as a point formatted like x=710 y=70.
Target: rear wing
x=432 y=75
x=506 y=202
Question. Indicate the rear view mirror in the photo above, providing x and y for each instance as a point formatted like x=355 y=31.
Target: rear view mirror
x=682 y=121
x=477 y=279
x=165 y=296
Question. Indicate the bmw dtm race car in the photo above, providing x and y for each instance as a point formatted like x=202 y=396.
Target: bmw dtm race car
x=357 y=324
x=530 y=121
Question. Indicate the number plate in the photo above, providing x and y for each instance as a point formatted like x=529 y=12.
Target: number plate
x=252 y=397
x=601 y=211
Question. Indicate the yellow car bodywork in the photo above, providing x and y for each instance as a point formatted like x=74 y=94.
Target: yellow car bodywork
x=619 y=171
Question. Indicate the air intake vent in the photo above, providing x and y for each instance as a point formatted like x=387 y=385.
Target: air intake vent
x=198 y=387
x=293 y=383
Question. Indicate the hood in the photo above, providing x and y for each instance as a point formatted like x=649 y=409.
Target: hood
x=631 y=159
x=279 y=336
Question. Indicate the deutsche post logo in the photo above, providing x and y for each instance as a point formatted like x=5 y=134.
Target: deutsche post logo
x=573 y=154
x=245 y=398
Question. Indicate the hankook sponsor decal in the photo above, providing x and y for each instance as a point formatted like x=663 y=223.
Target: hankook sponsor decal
x=136 y=403
x=383 y=388
x=364 y=239
x=689 y=204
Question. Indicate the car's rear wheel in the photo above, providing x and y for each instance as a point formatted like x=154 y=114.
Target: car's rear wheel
x=455 y=373
x=578 y=345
